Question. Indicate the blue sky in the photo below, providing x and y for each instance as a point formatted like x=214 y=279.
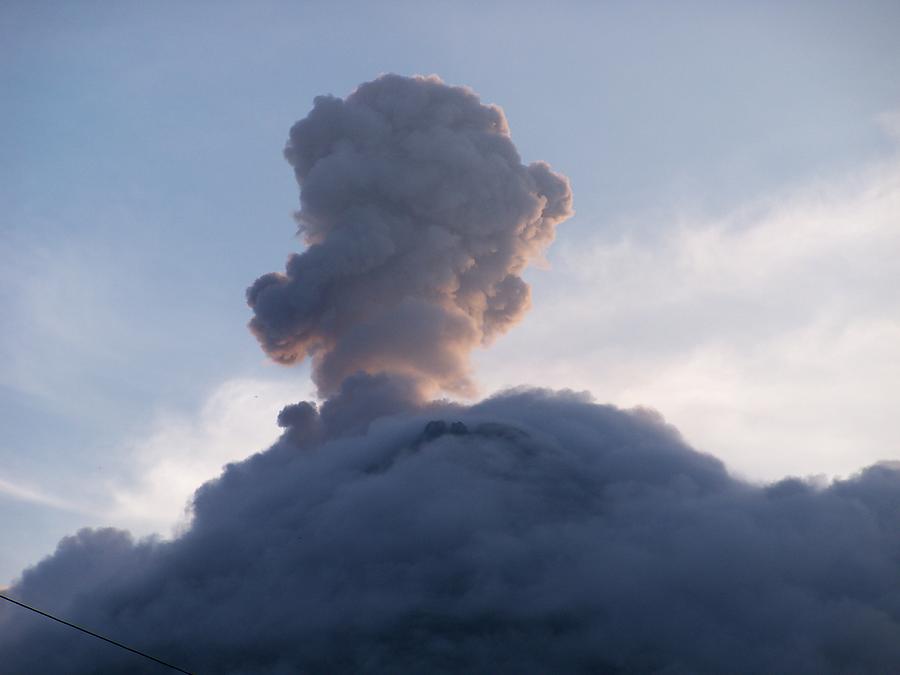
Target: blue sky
x=731 y=263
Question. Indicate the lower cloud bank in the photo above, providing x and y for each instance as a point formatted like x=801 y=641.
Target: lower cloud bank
x=533 y=532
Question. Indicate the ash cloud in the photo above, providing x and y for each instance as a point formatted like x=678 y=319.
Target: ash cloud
x=534 y=532
x=419 y=218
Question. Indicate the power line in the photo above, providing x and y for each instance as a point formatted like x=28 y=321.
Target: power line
x=96 y=635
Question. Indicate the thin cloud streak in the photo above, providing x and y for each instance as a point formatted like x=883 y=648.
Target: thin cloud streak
x=28 y=493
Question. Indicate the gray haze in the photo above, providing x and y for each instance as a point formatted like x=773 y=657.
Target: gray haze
x=419 y=218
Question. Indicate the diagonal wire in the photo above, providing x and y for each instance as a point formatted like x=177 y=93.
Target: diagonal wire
x=96 y=635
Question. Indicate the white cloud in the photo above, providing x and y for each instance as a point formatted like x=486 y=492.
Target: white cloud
x=183 y=451
x=770 y=338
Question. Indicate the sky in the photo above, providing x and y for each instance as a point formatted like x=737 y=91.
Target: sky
x=731 y=262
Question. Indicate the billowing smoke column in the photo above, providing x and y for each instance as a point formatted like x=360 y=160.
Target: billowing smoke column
x=419 y=218
x=534 y=532
x=531 y=533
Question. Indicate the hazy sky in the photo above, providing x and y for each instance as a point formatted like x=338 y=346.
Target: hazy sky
x=732 y=262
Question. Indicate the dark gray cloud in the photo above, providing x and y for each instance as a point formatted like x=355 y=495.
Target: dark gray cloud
x=534 y=532
x=419 y=218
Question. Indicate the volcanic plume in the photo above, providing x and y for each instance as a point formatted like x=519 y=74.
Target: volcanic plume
x=419 y=218
x=533 y=532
